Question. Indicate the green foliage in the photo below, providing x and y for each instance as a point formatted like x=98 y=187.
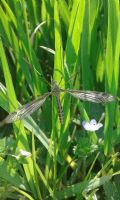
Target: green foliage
x=77 y=44
x=84 y=147
x=112 y=189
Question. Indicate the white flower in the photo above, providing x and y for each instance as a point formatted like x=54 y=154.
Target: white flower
x=92 y=125
x=25 y=153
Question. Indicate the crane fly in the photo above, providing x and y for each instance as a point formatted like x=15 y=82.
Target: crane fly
x=29 y=108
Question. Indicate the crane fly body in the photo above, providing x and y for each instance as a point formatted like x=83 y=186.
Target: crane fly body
x=29 y=108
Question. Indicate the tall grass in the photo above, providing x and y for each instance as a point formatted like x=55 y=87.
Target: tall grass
x=80 y=50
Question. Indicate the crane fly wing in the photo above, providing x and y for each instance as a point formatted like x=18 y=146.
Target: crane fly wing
x=25 y=110
x=29 y=108
x=92 y=96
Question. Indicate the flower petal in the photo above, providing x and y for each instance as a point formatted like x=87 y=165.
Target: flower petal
x=25 y=153
x=99 y=125
x=92 y=126
x=93 y=122
x=86 y=125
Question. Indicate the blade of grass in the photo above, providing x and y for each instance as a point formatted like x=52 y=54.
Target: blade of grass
x=10 y=175
x=22 y=193
x=85 y=48
x=64 y=12
x=35 y=170
x=9 y=12
x=58 y=59
x=82 y=187
x=32 y=12
x=57 y=74
x=111 y=69
x=71 y=55
x=23 y=49
x=23 y=143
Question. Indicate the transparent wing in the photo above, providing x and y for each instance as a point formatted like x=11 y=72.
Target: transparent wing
x=92 y=96
x=25 y=110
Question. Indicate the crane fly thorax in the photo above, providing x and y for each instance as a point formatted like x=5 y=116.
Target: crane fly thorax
x=55 y=89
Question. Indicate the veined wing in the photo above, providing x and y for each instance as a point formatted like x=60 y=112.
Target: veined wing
x=25 y=110
x=92 y=96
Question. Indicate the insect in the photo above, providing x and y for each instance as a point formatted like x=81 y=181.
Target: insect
x=29 y=108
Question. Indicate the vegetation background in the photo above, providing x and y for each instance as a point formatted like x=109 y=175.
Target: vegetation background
x=78 y=41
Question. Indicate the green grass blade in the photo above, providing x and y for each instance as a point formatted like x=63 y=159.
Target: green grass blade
x=82 y=187
x=71 y=56
x=12 y=97
x=111 y=69
x=64 y=12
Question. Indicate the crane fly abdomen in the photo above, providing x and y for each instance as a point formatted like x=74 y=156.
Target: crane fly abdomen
x=60 y=110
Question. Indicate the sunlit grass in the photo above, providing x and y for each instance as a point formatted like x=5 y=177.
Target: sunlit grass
x=77 y=44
